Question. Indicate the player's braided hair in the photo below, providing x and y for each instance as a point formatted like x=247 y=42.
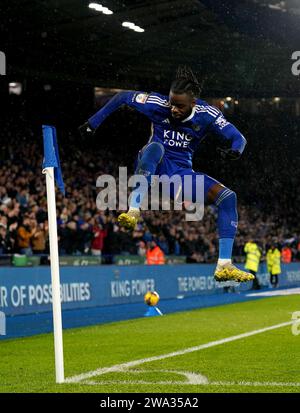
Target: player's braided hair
x=186 y=82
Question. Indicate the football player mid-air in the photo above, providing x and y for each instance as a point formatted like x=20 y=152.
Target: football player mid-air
x=180 y=122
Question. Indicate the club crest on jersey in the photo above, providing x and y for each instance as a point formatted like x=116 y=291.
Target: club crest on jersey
x=141 y=98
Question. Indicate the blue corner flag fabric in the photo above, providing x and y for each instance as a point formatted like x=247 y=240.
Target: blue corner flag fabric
x=51 y=156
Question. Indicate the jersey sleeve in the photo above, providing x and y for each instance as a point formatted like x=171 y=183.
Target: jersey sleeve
x=153 y=105
x=228 y=132
x=134 y=99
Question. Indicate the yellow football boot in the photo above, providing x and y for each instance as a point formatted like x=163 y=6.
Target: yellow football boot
x=129 y=219
x=229 y=272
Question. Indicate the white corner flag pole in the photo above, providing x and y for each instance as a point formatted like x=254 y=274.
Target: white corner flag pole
x=56 y=302
x=54 y=261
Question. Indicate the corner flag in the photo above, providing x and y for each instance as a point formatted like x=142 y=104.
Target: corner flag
x=51 y=156
x=51 y=167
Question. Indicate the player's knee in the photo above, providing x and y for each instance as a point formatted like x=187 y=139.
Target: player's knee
x=153 y=152
x=227 y=197
x=150 y=157
x=233 y=196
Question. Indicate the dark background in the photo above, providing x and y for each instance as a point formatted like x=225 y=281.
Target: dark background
x=239 y=46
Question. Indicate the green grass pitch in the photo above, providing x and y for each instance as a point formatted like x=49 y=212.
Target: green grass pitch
x=265 y=362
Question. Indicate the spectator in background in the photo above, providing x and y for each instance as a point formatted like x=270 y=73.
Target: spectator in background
x=126 y=242
x=286 y=254
x=195 y=258
x=39 y=238
x=4 y=198
x=273 y=264
x=3 y=239
x=111 y=242
x=99 y=235
x=173 y=240
x=84 y=237
x=67 y=234
x=11 y=245
x=163 y=244
x=188 y=244
x=142 y=249
x=154 y=255
x=147 y=234
x=3 y=220
x=253 y=255
x=24 y=236
x=23 y=197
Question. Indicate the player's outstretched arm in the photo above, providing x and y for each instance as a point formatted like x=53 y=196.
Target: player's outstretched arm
x=95 y=121
x=229 y=133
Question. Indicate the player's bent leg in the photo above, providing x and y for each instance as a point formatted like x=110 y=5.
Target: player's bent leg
x=148 y=160
x=226 y=202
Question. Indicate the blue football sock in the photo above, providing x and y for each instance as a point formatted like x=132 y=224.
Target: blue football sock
x=227 y=222
x=225 y=248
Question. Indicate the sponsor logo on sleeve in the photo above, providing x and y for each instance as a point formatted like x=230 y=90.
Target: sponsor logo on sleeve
x=141 y=98
x=221 y=122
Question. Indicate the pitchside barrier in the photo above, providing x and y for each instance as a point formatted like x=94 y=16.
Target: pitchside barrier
x=28 y=290
x=19 y=260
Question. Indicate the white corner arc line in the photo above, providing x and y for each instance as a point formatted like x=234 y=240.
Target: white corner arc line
x=127 y=365
x=191 y=379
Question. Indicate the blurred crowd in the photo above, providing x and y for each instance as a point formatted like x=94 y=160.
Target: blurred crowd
x=266 y=181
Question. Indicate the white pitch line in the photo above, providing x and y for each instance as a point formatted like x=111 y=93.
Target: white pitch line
x=125 y=366
x=183 y=383
x=289 y=291
x=252 y=384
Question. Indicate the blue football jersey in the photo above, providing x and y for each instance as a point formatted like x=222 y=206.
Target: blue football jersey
x=179 y=138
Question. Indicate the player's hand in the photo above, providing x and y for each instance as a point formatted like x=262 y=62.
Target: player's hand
x=229 y=154
x=86 y=130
